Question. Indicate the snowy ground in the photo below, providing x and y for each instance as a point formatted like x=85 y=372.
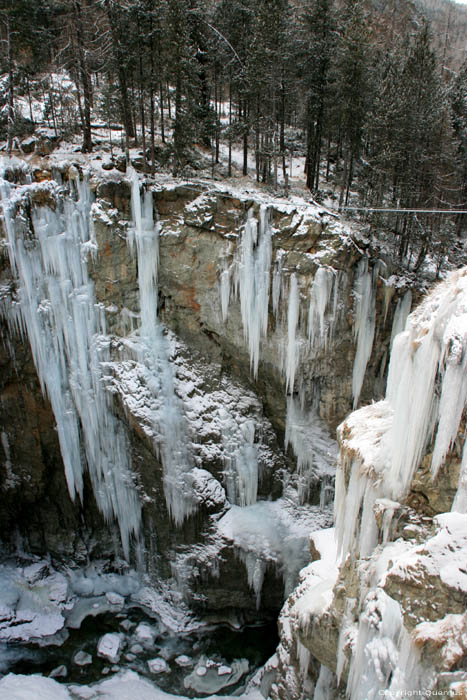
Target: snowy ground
x=124 y=686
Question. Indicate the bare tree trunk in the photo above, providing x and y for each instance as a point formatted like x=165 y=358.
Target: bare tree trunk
x=229 y=167
x=11 y=106
x=84 y=76
x=161 y=99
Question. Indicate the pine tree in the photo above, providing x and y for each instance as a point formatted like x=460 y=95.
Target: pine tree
x=314 y=59
x=352 y=86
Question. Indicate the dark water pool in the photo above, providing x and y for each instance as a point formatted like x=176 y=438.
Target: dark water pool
x=220 y=644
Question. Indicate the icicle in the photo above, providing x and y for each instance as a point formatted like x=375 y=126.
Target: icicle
x=452 y=402
x=364 y=325
x=460 y=501
x=256 y=568
x=320 y=295
x=240 y=459
x=153 y=352
x=253 y=281
x=388 y=294
x=400 y=315
x=326 y=493
x=325 y=685
x=277 y=283
x=315 y=451
x=225 y=293
x=376 y=655
x=225 y=283
x=66 y=331
x=304 y=658
x=293 y=349
x=434 y=343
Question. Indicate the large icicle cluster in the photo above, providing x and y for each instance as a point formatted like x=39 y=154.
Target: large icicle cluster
x=153 y=352
x=66 y=331
x=252 y=281
x=382 y=446
x=364 y=323
x=426 y=396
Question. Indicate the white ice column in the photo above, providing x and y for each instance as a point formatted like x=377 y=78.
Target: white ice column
x=364 y=324
x=153 y=351
x=253 y=280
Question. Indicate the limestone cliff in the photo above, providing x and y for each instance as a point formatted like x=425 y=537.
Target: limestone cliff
x=258 y=300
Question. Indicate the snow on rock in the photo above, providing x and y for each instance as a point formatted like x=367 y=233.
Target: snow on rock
x=145 y=633
x=33 y=687
x=125 y=685
x=110 y=646
x=438 y=565
x=115 y=598
x=158 y=665
x=183 y=661
x=447 y=636
x=59 y=672
x=316 y=581
x=82 y=658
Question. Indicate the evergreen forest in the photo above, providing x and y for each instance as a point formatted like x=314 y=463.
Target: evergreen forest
x=372 y=93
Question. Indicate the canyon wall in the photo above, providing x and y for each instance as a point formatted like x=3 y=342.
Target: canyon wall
x=273 y=320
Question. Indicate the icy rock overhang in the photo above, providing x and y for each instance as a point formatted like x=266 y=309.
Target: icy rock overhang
x=382 y=445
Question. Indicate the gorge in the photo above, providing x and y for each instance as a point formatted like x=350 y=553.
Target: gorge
x=176 y=358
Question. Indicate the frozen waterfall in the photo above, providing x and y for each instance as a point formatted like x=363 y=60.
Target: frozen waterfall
x=66 y=331
x=153 y=352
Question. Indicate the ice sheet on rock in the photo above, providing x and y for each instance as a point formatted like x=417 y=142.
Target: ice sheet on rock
x=271 y=533
x=31 y=606
x=460 y=501
x=315 y=450
x=92 y=581
x=66 y=332
x=210 y=676
x=364 y=323
x=252 y=281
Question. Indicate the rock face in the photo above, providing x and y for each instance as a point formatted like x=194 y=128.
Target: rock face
x=255 y=300
x=386 y=614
